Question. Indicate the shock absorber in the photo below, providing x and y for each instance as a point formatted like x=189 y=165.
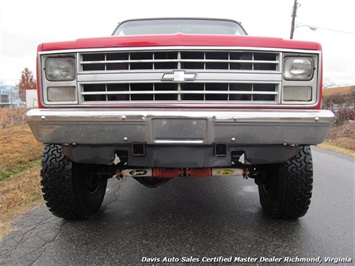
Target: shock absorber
x=199 y=172
x=166 y=173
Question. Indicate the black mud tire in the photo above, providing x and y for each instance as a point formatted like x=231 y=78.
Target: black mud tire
x=286 y=193
x=72 y=191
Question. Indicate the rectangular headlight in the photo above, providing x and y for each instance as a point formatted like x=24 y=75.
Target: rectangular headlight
x=297 y=94
x=298 y=68
x=60 y=69
x=61 y=94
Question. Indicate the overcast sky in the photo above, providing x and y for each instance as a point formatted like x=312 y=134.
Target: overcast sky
x=26 y=23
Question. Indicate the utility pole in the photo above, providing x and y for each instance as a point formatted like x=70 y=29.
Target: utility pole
x=294 y=15
x=11 y=108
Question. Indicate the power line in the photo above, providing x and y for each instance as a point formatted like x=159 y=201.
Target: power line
x=340 y=31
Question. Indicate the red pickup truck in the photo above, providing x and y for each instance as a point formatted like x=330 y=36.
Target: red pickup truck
x=171 y=97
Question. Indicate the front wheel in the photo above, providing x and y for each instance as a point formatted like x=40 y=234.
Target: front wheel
x=72 y=191
x=287 y=190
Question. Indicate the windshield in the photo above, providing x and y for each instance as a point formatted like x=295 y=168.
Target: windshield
x=172 y=26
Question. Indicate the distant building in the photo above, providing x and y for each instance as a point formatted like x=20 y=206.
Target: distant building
x=9 y=95
x=31 y=99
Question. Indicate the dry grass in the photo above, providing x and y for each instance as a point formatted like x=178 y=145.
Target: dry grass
x=333 y=147
x=338 y=90
x=12 y=117
x=19 y=168
x=17 y=195
x=343 y=136
x=18 y=150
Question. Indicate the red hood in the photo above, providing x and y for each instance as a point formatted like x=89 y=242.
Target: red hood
x=180 y=40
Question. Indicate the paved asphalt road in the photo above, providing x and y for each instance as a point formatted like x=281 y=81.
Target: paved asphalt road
x=193 y=219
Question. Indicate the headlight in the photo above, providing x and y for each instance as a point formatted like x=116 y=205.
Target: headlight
x=60 y=68
x=298 y=68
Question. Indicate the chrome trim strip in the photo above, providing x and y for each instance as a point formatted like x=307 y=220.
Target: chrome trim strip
x=202 y=76
x=184 y=92
x=178 y=60
x=141 y=115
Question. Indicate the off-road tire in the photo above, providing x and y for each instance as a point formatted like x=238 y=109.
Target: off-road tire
x=286 y=193
x=72 y=191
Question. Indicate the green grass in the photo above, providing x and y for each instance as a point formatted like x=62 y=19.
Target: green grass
x=9 y=172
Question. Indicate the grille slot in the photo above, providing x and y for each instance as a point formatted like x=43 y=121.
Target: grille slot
x=133 y=92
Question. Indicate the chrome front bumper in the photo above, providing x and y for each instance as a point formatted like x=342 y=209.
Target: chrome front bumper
x=179 y=127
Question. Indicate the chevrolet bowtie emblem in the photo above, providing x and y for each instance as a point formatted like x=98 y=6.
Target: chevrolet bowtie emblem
x=179 y=76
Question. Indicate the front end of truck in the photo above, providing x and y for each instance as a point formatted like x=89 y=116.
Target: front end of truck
x=159 y=106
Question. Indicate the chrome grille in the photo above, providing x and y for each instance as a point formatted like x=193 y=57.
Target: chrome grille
x=181 y=75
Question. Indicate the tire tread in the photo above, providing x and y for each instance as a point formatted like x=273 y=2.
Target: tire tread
x=58 y=186
x=294 y=181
